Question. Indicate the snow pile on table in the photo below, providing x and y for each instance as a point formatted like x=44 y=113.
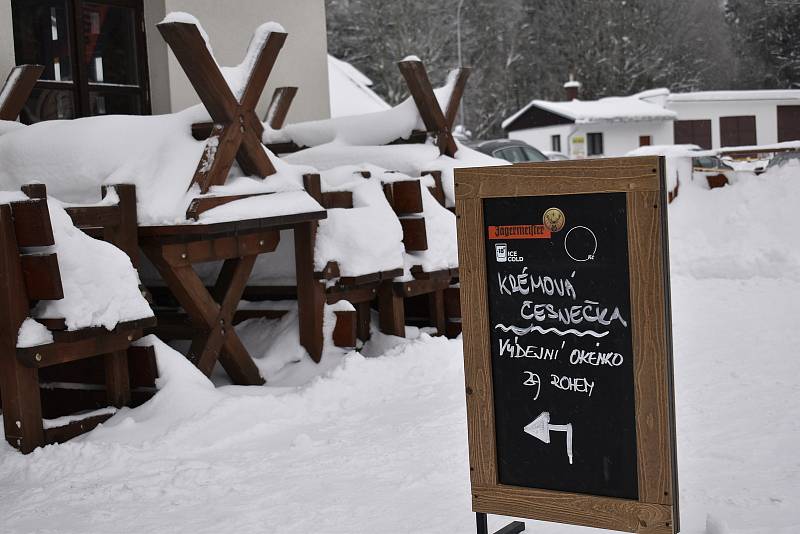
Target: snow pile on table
x=156 y=153
x=350 y=92
x=100 y=285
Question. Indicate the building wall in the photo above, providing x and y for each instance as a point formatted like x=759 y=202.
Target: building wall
x=230 y=24
x=619 y=138
x=540 y=137
x=6 y=40
x=765 y=111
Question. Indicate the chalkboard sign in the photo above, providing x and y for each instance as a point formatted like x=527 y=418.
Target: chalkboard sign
x=562 y=365
x=567 y=342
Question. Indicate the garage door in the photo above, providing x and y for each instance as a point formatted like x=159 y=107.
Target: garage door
x=693 y=133
x=737 y=131
x=788 y=123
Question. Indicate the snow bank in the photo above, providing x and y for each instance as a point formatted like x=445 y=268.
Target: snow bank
x=377 y=128
x=350 y=92
x=101 y=287
x=739 y=231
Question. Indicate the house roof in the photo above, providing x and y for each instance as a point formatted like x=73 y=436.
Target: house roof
x=707 y=96
x=350 y=92
x=610 y=109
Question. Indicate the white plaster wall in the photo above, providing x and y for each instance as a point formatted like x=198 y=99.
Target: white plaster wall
x=619 y=138
x=766 y=112
x=540 y=137
x=7 y=61
x=230 y=24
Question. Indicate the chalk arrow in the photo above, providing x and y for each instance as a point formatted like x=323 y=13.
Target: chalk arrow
x=540 y=428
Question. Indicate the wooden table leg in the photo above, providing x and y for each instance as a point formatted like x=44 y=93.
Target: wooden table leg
x=310 y=292
x=436 y=310
x=118 y=384
x=363 y=320
x=391 y=310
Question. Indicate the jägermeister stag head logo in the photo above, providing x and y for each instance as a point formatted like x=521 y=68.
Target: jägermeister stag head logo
x=554 y=219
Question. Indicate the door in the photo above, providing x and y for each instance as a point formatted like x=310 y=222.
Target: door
x=693 y=132
x=737 y=131
x=788 y=123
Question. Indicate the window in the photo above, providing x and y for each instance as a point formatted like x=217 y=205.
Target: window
x=533 y=154
x=98 y=69
x=512 y=154
x=737 y=131
x=595 y=144
x=555 y=143
x=645 y=140
x=693 y=132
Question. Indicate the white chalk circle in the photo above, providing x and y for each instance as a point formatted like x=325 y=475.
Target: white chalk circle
x=584 y=239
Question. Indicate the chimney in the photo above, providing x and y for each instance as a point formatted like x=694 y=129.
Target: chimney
x=571 y=88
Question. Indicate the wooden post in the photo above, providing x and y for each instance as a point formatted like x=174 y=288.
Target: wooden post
x=363 y=320
x=436 y=310
x=310 y=292
x=391 y=310
x=279 y=107
x=118 y=387
x=19 y=385
x=236 y=132
x=17 y=89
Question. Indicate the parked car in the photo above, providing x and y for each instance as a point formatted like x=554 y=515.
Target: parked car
x=710 y=163
x=555 y=156
x=783 y=158
x=511 y=150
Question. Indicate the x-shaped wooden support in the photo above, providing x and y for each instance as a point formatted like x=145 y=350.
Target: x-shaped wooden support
x=17 y=89
x=279 y=107
x=237 y=130
x=212 y=312
x=437 y=123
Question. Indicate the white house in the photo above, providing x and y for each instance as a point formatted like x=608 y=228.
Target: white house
x=614 y=126
x=107 y=57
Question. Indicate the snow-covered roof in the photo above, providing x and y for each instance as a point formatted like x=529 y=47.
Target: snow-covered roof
x=710 y=96
x=350 y=91
x=609 y=109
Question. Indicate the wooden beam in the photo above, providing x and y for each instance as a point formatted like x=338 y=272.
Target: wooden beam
x=455 y=96
x=406 y=197
x=32 y=223
x=42 y=276
x=337 y=199
x=17 y=89
x=279 y=106
x=415 y=237
x=310 y=292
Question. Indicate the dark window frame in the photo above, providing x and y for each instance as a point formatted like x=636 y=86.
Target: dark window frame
x=555 y=142
x=80 y=86
x=594 y=144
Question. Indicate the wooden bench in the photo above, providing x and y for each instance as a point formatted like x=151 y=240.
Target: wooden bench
x=26 y=277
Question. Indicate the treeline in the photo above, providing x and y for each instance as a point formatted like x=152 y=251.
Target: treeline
x=525 y=49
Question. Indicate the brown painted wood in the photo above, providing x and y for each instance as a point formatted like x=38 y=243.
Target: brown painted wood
x=415 y=237
x=370 y=277
x=438 y=189
x=56 y=323
x=344 y=333
x=94 y=216
x=406 y=197
x=330 y=271
x=391 y=310
x=123 y=234
x=237 y=132
x=60 y=434
x=68 y=351
x=456 y=95
x=32 y=223
x=18 y=87
x=313 y=186
x=656 y=509
x=202 y=204
x=68 y=336
x=220 y=248
x=363 y=319
x=436 y=310
x=279 y=106
x=452 y=302
x=19 y=385
x=34 y=190
x=42 y=276
x=353 y=294
x=337 y=199
x=117 y=380
x=415 y=288
x=429 y=110
x=310 y=292
x=142 y=366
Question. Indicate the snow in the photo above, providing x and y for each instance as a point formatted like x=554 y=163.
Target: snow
x=376 y=128
x=32 y=333
x=9 y=126
x=785 y=145
x=350 y=92
x=237 y=76
x=101 y=287
x=727 y=96
x=609 y=109
x=273 y=205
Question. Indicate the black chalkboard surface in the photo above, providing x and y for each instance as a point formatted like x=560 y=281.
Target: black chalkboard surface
x=561 y=345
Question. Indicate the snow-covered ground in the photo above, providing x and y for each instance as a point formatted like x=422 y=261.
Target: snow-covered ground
x=378 y=442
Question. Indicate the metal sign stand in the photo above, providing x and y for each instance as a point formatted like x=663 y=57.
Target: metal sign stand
x=512 y=528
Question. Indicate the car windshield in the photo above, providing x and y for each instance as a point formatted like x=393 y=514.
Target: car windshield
x=533 y=154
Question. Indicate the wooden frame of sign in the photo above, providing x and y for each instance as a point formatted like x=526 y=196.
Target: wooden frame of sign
x=641 y=181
